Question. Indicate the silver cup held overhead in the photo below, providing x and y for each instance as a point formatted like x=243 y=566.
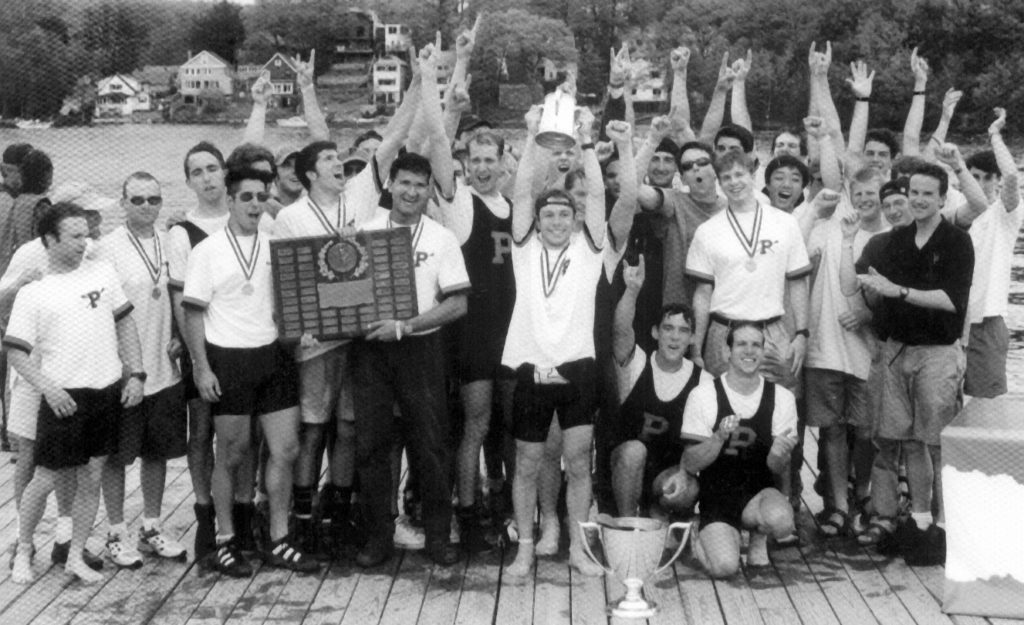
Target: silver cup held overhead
x=633 y=547
x=557 y=126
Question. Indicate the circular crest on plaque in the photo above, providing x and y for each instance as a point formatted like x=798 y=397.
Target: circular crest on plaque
x=345 y=257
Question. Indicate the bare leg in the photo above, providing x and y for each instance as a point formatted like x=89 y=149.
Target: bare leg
x=112 y=480
x=200 y=450
x=628 y=461
x=30 y=511
x=476 y=403
x=153 y=476
x=767 y=514
x=524 y=498
x=232 y=443
x=549 y=486
x=281 y=428
x=24 y=468
x=87 y=501
x=717 y=548
x=576 y=444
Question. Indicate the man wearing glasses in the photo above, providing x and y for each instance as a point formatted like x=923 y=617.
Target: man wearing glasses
x=156 y=429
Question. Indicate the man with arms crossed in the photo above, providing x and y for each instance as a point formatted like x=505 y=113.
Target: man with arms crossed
x=77 y=319
x=242 y=371
x=740 y=430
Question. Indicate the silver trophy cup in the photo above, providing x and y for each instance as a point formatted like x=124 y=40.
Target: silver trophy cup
x=557 y=121
x=633 y=547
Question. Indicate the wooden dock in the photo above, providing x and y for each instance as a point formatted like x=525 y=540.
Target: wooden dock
x=816 y=583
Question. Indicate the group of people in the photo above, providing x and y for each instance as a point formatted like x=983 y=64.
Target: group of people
x=681 y=311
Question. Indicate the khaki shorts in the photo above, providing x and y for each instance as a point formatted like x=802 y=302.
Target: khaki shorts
x=835 y=398
x=987 y=345
x=920 y=390
x=325 y=387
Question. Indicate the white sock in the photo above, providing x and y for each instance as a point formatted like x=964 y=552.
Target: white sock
x=62 y=534
x=224 y=538
x=922 y=519
x=119 y=529
x=149 y=524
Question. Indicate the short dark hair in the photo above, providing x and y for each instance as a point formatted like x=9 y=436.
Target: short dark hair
x=906 y=165
x=727 y=161
x=53 y=216
x=366 y=136
x=669 y=146
x=739 y=325
x=886 y=136
x=203 y=146
x=792 y=162
x=413 y=163
x=15 y=153
x=985 y=161
x=934 y=171
x=796 y=133
x=36 y=172
x=305 y=161
x=672 y=309
x=236 y=176
x=248 y=154
x=486 y=137
x=574 y=177
x=554 y=196
x=741 y=134
x=694 y=145
x=138 y=175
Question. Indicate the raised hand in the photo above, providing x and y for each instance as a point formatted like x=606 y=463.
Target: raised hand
x=949 y=102
x=584 y=124
x=604 y=150
x=304 y=71
x=948 y=154
x=427 y=59
x=619 y=70
x=997 y=126
x=819 y=62
x=741 y=67
x=726 y=75
x=815 y=126
x=619 y=131
x=825 y=203
x=532 y=118
x=919 y=67
x=660 y=126
x=633 y=276
x=860 y=82
x=262 y=89
x=850 y=225
x=460 y=102
x=466 y=40
x=679 y=58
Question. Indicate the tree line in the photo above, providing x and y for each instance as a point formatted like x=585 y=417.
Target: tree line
x=48 y=46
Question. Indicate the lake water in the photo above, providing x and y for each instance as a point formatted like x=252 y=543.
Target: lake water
x=97 y=159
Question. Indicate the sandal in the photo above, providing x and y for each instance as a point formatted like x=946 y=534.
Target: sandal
x=833 y=523
x=877 y=531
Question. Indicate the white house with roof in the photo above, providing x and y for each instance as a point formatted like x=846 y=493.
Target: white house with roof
x=397 y=38
x=205 y=70
x=389 y=76
x=121 y=95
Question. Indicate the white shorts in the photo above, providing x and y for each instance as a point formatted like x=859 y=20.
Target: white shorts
x=325 y=387
x=24 y=412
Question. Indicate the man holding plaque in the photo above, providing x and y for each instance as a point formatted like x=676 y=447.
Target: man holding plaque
x=242 y=370
x=334 y=205
x=739 y=431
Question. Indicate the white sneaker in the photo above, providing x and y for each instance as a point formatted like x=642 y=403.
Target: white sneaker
x=154 y=541
x=407 y=535
x=122 y=553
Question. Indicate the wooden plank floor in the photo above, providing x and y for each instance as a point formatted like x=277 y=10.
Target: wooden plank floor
x=816 y=583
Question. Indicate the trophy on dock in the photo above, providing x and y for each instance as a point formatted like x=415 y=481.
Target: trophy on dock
x=633 y=547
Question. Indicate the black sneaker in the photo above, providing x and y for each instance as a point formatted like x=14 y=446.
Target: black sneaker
x=241 y=518
x=228 y=559
x=930 y=549
x=903 y=540
x=442 y=552
x=205 y=544
x=283 y=554
x=375 y=552
x=309 y=539
x=59 y=555
x=476 y=533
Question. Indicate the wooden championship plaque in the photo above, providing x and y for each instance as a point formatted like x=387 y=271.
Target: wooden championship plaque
x=332 y=288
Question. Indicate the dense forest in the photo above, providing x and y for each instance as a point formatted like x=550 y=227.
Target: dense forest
x=50 y=49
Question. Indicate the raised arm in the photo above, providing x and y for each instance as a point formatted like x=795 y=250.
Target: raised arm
x=623 y=337
x=849 y=226
x=738 y=107
x=1007 y=167
x=949 y=155
x=522 y=197
x=457 y=94
x=648 y=197
x=315 y=120
x=949 y=102
x=915 y=117
x=437 y=148
x=821 y=94
x=716 y=108
x=828 y=159
x=860 y=84
x=397 y=130
x=679 y=112
x=594 y=215
x=254 y=127
x=620 y=222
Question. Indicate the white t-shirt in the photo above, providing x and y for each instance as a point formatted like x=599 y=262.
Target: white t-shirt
x=457 y=215
x=831 y=346
x=993 y=234
x=357 y=205
x=702 y=409
x=70 y=320
x=440 y=269
x=179 y=248
x=215 y=282
x=718 y=256
x=667 y=385
x=553 y=319
x=152 y=316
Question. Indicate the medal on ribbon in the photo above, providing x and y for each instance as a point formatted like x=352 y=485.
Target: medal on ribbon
x=153 y=266
x=551 y=273
x=248 y=265
x=749 y=244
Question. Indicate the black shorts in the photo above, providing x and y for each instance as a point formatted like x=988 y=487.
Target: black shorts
x=188 y=382
x=253 y=381
x=726 y=506
x=480 y=343
x=533 y=405
x=156 y=429
x=91 y=432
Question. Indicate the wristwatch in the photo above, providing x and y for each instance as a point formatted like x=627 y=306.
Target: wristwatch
x=904 y=292
x=138 y=375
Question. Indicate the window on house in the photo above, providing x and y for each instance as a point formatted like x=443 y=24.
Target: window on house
x=655 y=74
x=657 y=92
x=392 y=30
x=634 y=91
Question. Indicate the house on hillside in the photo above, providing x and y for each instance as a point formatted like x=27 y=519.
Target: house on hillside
x=283 y=79
x=120 y=96
x=397 y=38
x=205 y=71
x=159 y=81
x=650 y=94
x=390 y=74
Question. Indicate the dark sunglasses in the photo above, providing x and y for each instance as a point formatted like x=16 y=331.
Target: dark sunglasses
x=700 y=162
x=247 y=196
x=152 y=200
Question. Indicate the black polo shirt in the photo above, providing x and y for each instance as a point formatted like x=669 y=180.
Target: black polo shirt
x=946 y=263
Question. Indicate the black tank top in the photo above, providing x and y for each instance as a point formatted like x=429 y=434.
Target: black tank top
x=488 y=257
x=742 y=463
x=654 y=422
